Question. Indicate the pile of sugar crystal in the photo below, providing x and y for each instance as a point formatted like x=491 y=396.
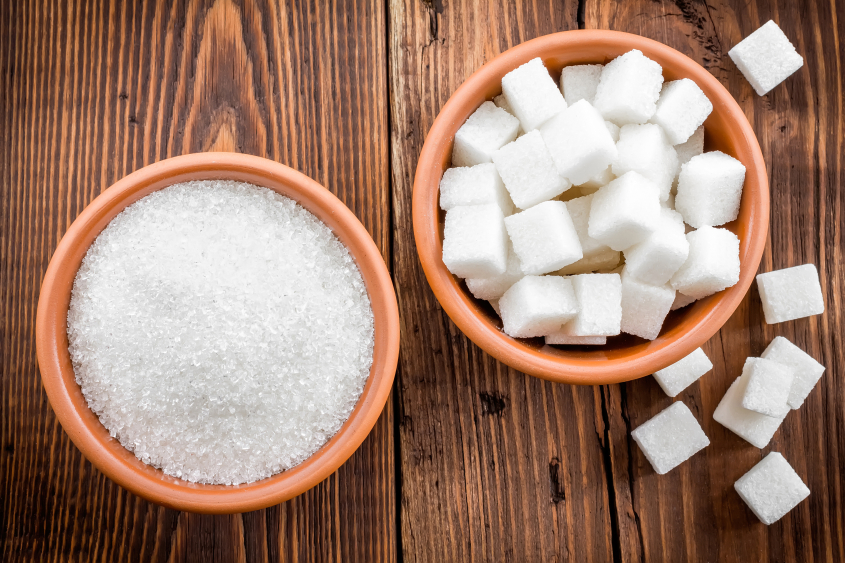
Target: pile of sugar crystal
x=220 y=331
x=604 y=182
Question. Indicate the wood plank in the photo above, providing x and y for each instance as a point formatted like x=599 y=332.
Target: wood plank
x=693 y=513
x=495 y=465
x=92 y=90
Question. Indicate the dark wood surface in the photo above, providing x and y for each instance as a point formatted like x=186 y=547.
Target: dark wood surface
x=471 y=461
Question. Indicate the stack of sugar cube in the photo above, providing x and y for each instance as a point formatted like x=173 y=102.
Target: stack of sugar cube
x=588 y=208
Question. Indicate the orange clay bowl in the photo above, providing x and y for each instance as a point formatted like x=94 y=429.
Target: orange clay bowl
x=83 y=426
x=624 y=357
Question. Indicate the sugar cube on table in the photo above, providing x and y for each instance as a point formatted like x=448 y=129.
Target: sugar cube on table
x=791 y=293
x=544 y=238
x=766 y=58
x=601 y=262
x=486 y=131
x=755 y=428
x=659 y=256
x=579 y=142
x=681 y=109
x=474 y=185
x=624 y=212
x=629 y=88
x=694 y=146
x=493 y=287
x=644 y=149
x=579 y=211
x=560 y=339
x=475 y=243
x=532 y=94
x=712 y=264
x=537 y=305
x=807 y=371
x=670 y=438
x=528 y=171
x=682 y=301
x=644 y=306
x=768 y=388
x=579 y=82
x=683 y=373
x=710 y=189
x=599 y=305
x=771 y=488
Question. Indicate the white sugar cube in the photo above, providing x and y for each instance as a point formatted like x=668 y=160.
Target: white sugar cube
x=557 y=338
x=474 y=185
x=493 y=287
x=645 y=149
x=712 y=264
x=532 y=94
x=579 y=82
x=681 y=109
x=682 y=301
x=683 y=373
x=475 y=244
x=757 y=429
x=537 y=305
x=528 y=171
x=710 y=189
x=579 y=142
x=694 y=146
x=807 y=371
x=670 y=438
x=599 y=305
x=602 y=262
x=613 y=129
x=624 y=212
x=579 y=211
x=644 y=307
x=486 y=131
x=768 y=388
x=791 y=293
x=766 y=58
x=771 y=488
x=629 y=88
x=544 y=238
x=659 y=256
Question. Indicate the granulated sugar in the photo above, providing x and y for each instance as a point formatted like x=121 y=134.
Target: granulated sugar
x=220 y=331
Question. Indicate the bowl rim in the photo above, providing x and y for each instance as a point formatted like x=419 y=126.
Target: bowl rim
x=82 y=425
x=461 y=308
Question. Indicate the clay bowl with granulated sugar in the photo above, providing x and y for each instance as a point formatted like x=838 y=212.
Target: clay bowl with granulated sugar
x=83 y=426
x=623 y=358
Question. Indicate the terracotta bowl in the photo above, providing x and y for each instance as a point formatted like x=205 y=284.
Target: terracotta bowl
x=83 y=426
x=623 y=358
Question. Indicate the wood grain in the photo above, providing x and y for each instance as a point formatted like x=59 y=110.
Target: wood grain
x=92 y=90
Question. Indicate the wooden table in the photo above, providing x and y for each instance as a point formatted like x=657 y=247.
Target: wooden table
x=471 y=460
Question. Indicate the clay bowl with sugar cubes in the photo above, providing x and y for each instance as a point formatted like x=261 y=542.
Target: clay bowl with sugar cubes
x=228 y=430
x=590 y=207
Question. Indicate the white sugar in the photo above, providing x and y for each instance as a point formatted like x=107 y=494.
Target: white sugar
x=766 y=57
x=220 y=331
x=683 y=373
x=771 y=488
x=670 y=438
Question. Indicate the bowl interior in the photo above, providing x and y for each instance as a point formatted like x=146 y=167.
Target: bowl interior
x=84 y=427
x=624 y=357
